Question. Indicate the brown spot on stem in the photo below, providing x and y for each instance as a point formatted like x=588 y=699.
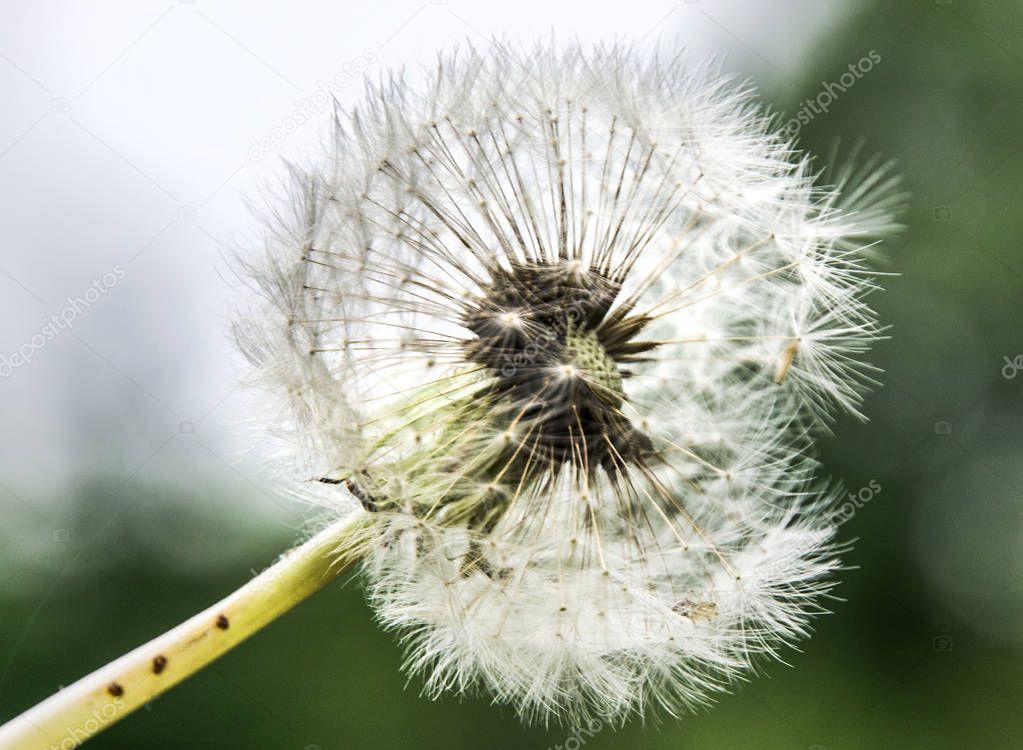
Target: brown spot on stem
x=115 y=689
x=159 y=663
x=223 y=623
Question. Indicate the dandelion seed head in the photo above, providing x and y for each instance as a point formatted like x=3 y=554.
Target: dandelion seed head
x=566 y=321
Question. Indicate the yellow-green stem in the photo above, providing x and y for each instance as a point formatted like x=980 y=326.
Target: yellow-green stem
x=78 y=712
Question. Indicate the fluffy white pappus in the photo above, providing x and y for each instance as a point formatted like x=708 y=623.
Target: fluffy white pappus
x=565 y=321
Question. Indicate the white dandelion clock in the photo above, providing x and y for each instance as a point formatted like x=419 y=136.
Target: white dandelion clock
x=551 y=335
x=561 y=321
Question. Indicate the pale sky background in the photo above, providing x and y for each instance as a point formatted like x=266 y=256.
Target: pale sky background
x=125 y=146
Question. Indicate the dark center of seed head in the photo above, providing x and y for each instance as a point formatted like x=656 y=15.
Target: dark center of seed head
x=558 y=354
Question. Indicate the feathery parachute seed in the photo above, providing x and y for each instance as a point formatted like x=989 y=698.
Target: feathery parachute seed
x=563 y=320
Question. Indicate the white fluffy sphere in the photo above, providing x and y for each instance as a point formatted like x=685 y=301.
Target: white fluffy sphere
x=564 y=320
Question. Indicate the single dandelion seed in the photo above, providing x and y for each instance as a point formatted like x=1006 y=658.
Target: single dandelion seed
x=558 y=325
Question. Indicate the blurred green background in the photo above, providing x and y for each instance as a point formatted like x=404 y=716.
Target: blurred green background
x=925 y=648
